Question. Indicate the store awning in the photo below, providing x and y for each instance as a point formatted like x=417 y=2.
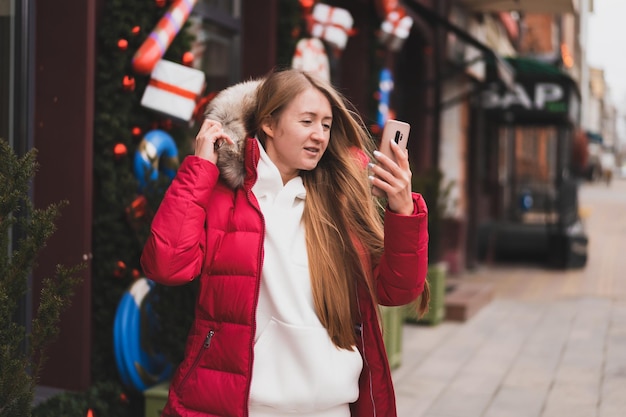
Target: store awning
x=527 y=6
x=543 y=94
x=500 y=70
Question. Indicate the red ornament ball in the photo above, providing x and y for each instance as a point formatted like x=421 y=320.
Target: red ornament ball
x=160 y=3
x=119 y=150
x=136 y=131
x=135 y=30
x=122 y=44
x=188 y=58
x=128 y=83
x=167 y=124
x=120 y=269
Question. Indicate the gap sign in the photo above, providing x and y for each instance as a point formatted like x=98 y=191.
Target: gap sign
x=529 y=102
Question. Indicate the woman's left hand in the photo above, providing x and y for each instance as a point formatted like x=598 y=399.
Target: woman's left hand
x=393 y=180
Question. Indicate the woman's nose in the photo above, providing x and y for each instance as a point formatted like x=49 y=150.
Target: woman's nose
x=318 y=132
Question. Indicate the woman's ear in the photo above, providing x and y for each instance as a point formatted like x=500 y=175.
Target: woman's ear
x=267 y=128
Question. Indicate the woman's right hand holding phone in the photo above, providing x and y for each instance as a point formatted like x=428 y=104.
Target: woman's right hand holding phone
x=392 y=180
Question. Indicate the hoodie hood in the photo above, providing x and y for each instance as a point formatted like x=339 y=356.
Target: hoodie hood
x=233 y=107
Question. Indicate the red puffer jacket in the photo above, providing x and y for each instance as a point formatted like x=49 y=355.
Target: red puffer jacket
x=205 y=229
x=212 y=229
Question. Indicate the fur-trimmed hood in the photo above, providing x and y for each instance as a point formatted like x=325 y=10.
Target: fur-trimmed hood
x=233 y=108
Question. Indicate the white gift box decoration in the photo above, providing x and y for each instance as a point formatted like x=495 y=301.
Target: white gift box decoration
x=332 y=24
x=310 y=55
x=395 y=29
x=173 y=90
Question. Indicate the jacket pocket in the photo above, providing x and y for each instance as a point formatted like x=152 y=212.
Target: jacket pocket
x=201 y=352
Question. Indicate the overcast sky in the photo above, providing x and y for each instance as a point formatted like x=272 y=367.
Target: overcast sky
x=606 y=45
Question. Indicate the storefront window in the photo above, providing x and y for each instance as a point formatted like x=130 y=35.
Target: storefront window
x=15 y=69
x=216 y=27
x=6 y=23
x=16 y=101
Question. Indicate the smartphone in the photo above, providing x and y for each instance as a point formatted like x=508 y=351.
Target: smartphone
x=397 y=132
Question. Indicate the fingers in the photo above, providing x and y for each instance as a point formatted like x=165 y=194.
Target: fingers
x=210 y=137
x=393 y=180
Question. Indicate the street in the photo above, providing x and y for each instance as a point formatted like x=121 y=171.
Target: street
x=550 y=344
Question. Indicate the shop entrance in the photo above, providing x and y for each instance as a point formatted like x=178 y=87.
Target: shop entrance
x=532 y=212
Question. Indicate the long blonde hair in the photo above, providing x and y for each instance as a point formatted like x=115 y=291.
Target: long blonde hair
x=343 y=225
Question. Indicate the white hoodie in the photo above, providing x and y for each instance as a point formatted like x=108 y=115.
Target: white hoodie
x=297 y=369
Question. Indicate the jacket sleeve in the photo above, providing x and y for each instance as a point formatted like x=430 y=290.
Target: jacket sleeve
x=401 y=272
x=174 y=251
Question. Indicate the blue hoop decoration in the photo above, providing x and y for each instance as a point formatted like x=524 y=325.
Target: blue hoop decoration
x=385 y=87
x=156 y=153
x=139 y=369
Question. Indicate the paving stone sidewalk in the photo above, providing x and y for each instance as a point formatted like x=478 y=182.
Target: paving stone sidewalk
x=550 y=344
x=518 y=359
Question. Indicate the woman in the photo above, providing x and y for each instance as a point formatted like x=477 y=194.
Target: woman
x=274 y=215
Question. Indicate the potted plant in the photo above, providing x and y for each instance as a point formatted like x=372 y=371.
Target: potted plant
x=437 y=196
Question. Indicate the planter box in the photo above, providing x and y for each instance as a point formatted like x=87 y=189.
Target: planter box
x=155 y=399
x=437 y=310
x=393 y=320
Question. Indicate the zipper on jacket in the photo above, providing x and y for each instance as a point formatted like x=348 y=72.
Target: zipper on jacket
x=256 y=297
x=205 y=345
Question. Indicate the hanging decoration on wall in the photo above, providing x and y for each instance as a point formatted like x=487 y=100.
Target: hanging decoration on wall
x=395 y=29
x=128 y=83
x=174 y=90
x=157 y=153
x=310 y=55
x=154 y=47
x=332 y=24
x=140 y=366
x=384 y=7
x=119 y=150
x=122 y=44
x=385 y=87
x=188 y=58
x=120 y=269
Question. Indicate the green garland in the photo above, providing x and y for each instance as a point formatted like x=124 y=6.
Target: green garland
x=117 y=111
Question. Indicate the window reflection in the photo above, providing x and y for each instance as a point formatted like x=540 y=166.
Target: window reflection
x=215 y=25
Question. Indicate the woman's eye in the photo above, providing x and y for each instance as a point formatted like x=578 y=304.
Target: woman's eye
x=326 y=126
x=308 y=122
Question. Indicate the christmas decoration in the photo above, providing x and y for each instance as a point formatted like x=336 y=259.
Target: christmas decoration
x=121 y=118
x=173 y=90
x=137 y=209
x=119 y=150
x=128 y=83
x=188 y=58
x=120 y=269
x=160 y=3
x=122 y=44
x=139 y=366
x=385 y=87
x=167 y=124
x=307 y=5
x=156 y=153
x=153 y=48
x=395 y=29
x=310 y=55
x=332 y=24
x=384 y=7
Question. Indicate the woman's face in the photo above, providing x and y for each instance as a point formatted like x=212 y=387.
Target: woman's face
x=299 y=138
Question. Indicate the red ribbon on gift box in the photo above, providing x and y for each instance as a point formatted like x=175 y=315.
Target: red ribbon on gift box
x=174 y=89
